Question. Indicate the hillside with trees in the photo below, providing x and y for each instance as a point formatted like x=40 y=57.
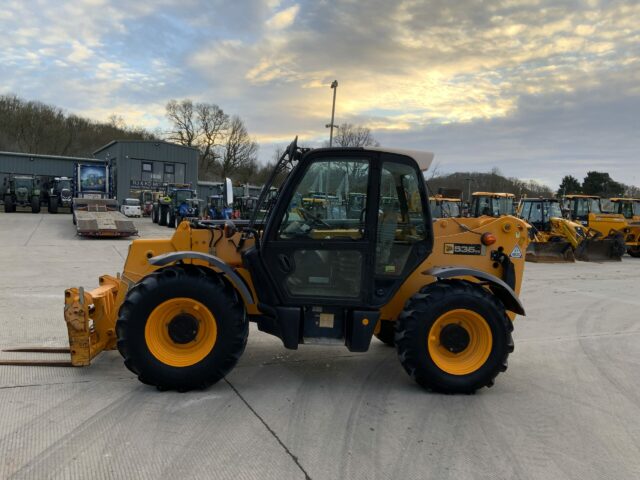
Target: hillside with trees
x=35 y=127
x=492 y=181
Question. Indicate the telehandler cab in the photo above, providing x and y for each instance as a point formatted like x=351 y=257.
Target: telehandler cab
x=443 y=292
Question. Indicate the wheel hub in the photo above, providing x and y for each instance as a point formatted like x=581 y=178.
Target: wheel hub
x=183 y=328
x=454 y=338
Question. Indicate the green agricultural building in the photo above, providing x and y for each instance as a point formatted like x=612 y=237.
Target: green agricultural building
x=136 y=165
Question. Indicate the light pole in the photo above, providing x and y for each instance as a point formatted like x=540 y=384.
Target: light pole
x=334 y=87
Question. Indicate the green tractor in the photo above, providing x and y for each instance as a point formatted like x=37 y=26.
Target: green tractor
x=21 y=191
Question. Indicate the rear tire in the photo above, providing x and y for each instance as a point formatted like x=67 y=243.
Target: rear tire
x=387 y=333
x=635 y=253
x=35 y=205
x=171 y=219
x=9 y=207
x=162 y=216
x=159 y=355
x=154 y=215
x=454 y=337
x=53 y=204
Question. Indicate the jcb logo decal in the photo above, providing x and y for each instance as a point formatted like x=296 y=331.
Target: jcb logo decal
x=462 y=249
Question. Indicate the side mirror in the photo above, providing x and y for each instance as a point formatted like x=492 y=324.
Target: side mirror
x=229 y=229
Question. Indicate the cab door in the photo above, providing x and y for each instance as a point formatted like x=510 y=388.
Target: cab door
x=318 y=251
x=317 y=248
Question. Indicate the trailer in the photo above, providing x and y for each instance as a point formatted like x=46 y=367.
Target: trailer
x=95 y=210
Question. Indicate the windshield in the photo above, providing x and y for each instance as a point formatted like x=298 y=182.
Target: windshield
x=450 y=209
x=494 y=206
x=607 y=206
x=24 y=183
x=64 y=185
x=436 y=210
x=629 y=208
x=132 y=202
x=183 y=195
x=553 y=210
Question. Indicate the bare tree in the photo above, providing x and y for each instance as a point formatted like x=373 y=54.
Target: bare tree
x=239 y=149
x=349 y=135
x=211 y=129
x=181 y=115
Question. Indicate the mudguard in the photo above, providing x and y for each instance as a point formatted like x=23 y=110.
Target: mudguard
x=503 y=291
x=234 y=278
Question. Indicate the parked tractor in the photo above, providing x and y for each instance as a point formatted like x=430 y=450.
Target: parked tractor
x=147 y=199
x=60 y=194
x=177 y=203
x=21 y=191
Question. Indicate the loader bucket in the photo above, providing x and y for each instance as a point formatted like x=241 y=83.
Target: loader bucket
x=609 y=249
x=550 y=252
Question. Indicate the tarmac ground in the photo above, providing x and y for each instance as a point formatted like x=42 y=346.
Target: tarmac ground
x=568 y=407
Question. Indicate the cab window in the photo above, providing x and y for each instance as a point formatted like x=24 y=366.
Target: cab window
x=401 y=221
x=329 y=203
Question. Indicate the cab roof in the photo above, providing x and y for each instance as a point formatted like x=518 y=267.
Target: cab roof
x=445 y=199
x=626 y=199
x=422 y=158
x=581 y=196
x=493 y=194
x=540 y=199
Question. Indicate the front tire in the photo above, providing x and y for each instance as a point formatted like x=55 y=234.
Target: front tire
x=181 y=328
x=634 y=252
x=454 y=337
x=35 y=205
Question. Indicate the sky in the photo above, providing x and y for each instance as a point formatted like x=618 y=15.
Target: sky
x=538 y=89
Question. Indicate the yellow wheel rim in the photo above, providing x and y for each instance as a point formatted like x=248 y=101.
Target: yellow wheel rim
x=459 y=342
x=181 y=332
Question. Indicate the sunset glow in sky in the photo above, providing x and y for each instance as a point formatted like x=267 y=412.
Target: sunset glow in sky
x=536 y=88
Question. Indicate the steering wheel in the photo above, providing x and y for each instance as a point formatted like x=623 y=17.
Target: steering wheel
x=308 y=216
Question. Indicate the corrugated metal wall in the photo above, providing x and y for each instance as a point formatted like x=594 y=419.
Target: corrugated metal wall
x=40 y=165
x=128 y=156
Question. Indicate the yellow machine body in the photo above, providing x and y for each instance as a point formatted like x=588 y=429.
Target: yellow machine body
x=91 y=315
x=611 y=223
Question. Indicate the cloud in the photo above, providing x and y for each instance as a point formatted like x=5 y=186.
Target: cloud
x=283 y=19
x=465 y=76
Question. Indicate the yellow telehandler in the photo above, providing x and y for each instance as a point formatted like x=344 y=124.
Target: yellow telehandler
x=179 y=313
x=629 y=208
x=555 y=239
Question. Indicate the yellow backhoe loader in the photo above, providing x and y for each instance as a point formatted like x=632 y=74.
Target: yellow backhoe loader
x=629 y=208
x=444 y=207
x=555 y=239
x=587 y=211
x=492 y=204
x=444 y=292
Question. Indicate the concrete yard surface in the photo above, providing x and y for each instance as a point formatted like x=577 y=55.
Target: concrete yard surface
x=568 y=407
